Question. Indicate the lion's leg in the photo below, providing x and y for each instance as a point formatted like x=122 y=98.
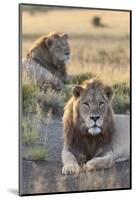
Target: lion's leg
x=103 y=162
x=70 y=164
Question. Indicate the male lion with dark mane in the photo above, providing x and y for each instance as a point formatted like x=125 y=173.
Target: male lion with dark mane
x=46 y=60
x=90 y=128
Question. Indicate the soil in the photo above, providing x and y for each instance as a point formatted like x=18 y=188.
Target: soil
x=46 y=177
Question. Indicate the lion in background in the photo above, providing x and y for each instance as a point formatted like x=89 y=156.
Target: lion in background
x=45 y=62
x=90 y=129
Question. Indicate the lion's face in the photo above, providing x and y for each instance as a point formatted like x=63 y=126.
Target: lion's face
x=93 y=103
x=59 y=49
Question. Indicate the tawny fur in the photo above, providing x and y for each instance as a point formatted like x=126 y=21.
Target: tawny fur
x=78 y=143
x=40 y=63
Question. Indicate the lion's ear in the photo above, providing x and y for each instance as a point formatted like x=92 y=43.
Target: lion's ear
x=77 y=90
x=109 y=92
x=49 y=42
x=65 y=36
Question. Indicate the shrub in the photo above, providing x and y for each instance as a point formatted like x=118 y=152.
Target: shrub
x=121 y=104
x=96 y=21
x=53 y=100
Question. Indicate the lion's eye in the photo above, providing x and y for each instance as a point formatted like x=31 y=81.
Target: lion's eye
x=86 y=105
x=101 y=103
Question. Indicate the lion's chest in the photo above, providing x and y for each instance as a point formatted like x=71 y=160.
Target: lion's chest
x=84 y=148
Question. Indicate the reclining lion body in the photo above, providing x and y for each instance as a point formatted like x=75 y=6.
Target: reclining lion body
x=121 y=139
x=46 y=60
x=93 y=136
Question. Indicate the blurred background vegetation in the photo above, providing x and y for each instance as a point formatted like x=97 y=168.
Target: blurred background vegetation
x=100 y=45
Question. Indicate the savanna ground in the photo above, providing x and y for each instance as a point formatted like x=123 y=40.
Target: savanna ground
x=102 y=51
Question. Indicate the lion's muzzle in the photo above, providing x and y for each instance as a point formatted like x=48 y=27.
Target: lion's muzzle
x=95 y=125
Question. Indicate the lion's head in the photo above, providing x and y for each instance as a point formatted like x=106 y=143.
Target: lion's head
x=90 y=108
x=93 y=100
x=53 y=48
x=59 y=48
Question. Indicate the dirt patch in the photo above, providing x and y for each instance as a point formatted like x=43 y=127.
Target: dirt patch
x=46 y=177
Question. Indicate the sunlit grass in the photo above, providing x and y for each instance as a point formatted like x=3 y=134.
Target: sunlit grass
x=75 y=21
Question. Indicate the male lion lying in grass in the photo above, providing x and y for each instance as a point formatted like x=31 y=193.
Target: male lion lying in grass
x=93 y=137
x=45 y=63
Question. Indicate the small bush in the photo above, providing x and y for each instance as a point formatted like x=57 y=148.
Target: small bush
x=96 y=21
x=53 y=100
x=121 y=104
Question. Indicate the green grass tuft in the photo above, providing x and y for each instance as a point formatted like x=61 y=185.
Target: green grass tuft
x=29 y=98
x=36 y=153
x=30 y=132
x=29 y=137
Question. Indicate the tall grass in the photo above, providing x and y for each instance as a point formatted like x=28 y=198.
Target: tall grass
x=34 y=136
x=29 y=97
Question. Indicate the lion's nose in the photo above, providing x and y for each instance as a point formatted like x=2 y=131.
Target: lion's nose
x=95 y=118
x=67 y=53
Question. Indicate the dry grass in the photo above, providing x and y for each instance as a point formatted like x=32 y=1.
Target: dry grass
x=75 y=22
x=34 y=135
x=105 y=58
x=102 y=51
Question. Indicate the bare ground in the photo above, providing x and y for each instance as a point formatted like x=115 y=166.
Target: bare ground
x=46 y=177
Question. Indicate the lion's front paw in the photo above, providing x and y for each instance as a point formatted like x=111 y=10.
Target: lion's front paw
x=90 y=166
x=71 y=169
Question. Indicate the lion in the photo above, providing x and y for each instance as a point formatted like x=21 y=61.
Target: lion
x=90 y=128
x=45 y=62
